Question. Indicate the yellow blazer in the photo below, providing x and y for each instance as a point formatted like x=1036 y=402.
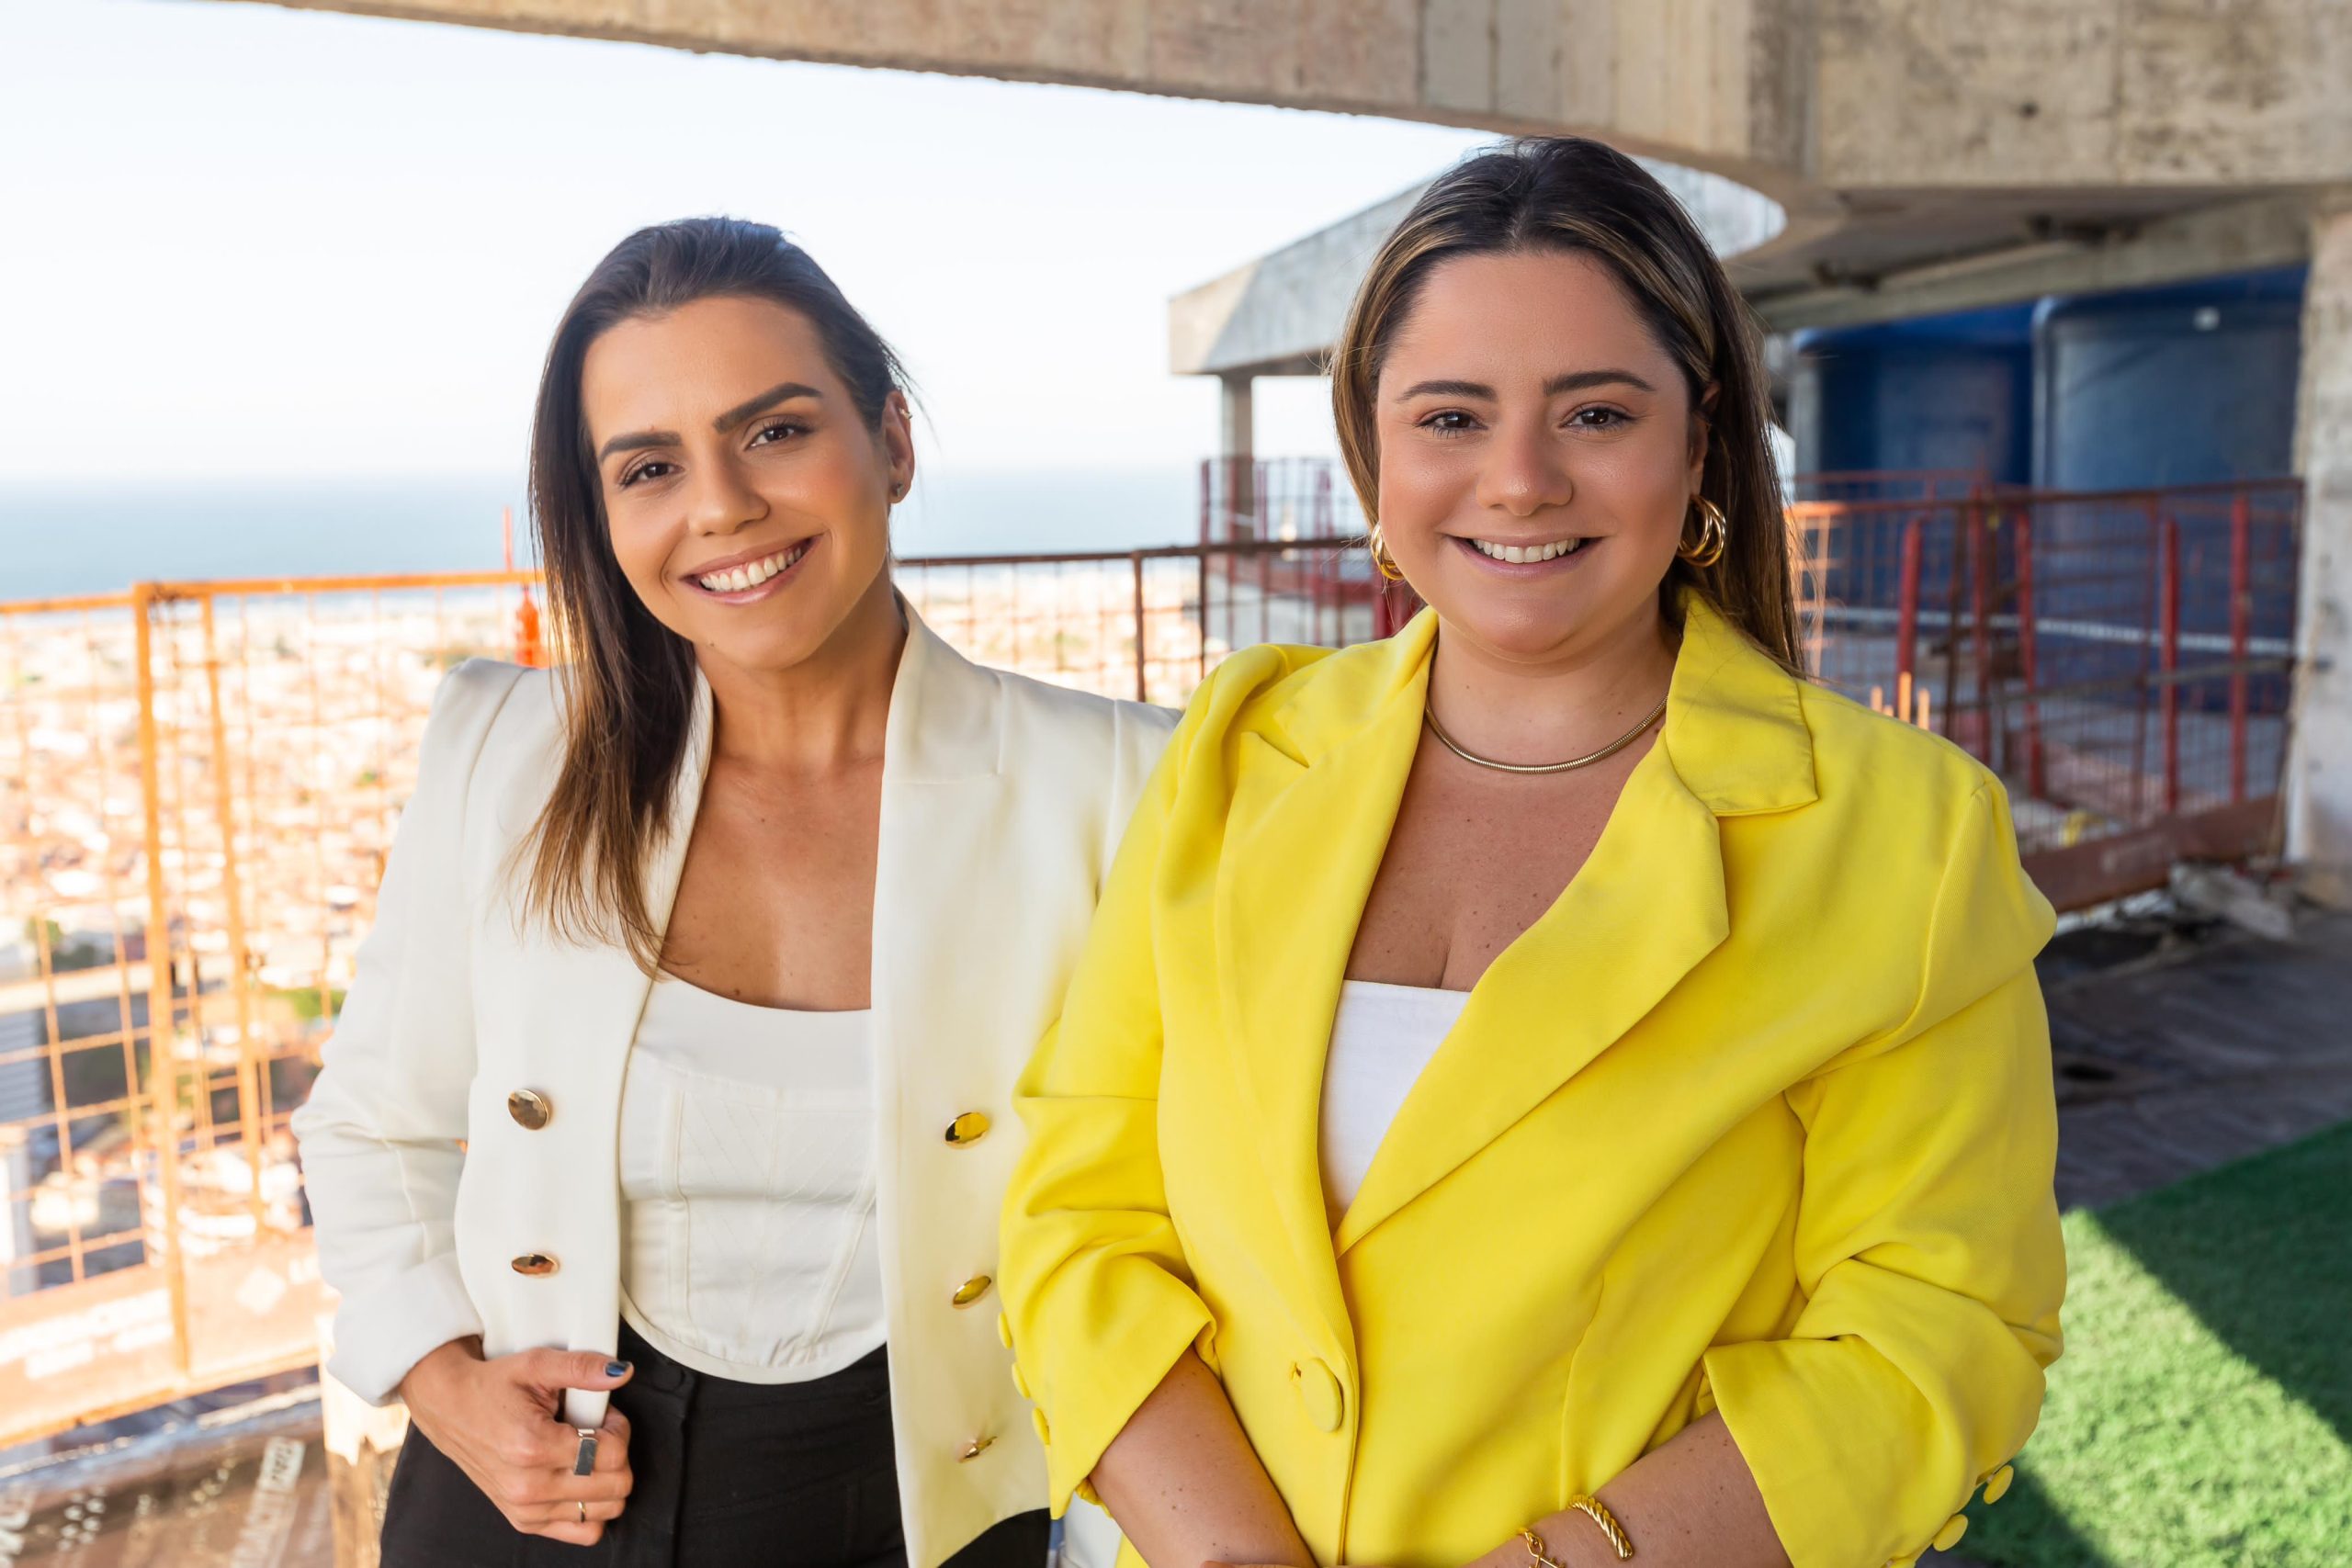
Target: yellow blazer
x=1756 y=1118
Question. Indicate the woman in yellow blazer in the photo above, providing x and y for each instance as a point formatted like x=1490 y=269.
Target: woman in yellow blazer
x=1716 y=1226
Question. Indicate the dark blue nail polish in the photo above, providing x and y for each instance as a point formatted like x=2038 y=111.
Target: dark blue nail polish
x=617 y=1368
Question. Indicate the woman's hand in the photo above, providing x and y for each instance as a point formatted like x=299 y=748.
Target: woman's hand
x=496 y=1419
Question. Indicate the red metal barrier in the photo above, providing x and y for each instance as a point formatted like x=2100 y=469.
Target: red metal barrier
x=1320 y=590
x=1907 y=619
x=2036 y=771
x=2123 y=658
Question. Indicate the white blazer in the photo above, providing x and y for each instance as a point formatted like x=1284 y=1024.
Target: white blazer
x=1002 y=801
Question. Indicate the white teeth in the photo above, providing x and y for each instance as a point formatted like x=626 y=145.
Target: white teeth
x=1524 y=554
x=737 y=578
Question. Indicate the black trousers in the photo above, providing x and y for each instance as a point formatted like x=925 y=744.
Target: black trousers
x=725 y=1474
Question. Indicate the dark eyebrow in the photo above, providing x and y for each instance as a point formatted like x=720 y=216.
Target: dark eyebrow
x=1573 y=382
x=781 y=393
x=1579 y=381
x=638 y=441
x=1447 y=389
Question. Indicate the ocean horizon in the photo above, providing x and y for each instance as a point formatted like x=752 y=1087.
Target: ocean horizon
x=100 y=538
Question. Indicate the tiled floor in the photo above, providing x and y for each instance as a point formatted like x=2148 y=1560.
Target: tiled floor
x=2197 y=1055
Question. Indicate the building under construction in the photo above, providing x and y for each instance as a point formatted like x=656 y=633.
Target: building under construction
x=2063 y=340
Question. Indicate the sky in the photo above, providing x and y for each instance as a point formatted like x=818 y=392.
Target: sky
x=250 y=243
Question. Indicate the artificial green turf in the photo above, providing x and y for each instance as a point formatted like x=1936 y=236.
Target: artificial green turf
x=2201 y=1417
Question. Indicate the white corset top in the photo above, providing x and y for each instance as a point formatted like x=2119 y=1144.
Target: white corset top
x=748 y=1153
x=1381 y=1039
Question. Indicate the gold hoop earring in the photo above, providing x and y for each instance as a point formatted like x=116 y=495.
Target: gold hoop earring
x=1382 y=561
x=1715 y=535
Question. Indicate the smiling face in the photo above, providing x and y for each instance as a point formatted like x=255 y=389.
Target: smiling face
x=746 y=499
x=1538 y=452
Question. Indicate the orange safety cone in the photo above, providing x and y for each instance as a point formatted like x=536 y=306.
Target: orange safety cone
x=530 y=647
x=530 y=651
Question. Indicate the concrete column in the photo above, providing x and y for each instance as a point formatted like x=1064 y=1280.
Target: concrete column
x=1237 y=446
x=2318 y=781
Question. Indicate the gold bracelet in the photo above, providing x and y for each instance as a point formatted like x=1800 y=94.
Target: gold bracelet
x=1598 y=1512
x=1535 y=1548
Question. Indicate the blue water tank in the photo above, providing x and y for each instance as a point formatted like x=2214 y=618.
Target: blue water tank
x=1953 y=392
x=2187 y=384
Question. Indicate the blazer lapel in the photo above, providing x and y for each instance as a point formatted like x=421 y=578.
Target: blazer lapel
x=1290 y=898
x=1648 y=907
x=942 y=798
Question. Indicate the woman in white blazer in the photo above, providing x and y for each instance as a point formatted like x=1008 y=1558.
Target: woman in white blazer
x=658 y=1151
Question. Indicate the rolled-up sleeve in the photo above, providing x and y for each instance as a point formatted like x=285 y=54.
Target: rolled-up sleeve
x=1927 y=1243
x=1098 y=1300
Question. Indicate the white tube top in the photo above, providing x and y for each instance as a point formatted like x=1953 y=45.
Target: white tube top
x=1381 y=1039
x=748 y=1154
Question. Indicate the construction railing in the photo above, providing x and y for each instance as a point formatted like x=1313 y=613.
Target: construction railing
x=199 y=785
x=1326 y=593
x=199 y=781
x=2122 y=659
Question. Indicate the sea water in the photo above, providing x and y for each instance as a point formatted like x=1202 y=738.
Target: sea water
x=98 y=537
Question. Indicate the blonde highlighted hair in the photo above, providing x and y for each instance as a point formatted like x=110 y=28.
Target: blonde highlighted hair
x=1573 y=195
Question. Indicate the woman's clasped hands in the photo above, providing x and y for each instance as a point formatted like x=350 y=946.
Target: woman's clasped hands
x=496 y=1419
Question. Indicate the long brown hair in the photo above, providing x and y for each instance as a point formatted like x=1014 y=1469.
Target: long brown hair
x=1568 y=193
x=628 y=680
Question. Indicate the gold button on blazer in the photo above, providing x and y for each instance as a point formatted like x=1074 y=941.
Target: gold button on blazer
x=1756 y=1118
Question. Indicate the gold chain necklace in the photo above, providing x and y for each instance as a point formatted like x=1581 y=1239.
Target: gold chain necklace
x=1603 y=755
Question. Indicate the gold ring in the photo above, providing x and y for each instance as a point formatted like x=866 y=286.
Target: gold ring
x=581 y=1504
